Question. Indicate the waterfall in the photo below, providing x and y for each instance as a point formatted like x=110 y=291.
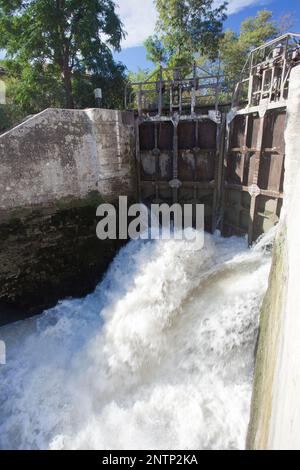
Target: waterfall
x=160 y=356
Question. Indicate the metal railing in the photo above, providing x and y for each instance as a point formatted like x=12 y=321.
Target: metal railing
x=264 y=78
x=175 y=90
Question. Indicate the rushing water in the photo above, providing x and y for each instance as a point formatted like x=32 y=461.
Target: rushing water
x=160 y=356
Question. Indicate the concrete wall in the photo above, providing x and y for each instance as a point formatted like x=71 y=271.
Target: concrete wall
x=60 y=153
x=55 y=169
x=275 y=419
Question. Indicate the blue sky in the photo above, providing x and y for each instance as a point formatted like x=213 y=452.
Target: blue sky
x=139 y=18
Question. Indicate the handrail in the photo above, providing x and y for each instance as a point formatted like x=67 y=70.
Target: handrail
x=273 y=41
x=272 y=66
x=192 y=76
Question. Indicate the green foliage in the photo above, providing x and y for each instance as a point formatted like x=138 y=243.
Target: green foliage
x=185 y=28
x=140 y=76
x=58 y=48
x=112 y=82
x=176 y=42
x=33 y=87
x=155 y=50
x=234 y=48
x=59 y=51
x=9 y=116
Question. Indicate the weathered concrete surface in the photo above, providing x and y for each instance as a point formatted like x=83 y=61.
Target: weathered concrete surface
x=285 y=419
x=60 y=153
x=267 y=351
x=275 y=421
x=55 y=169
x=48 y=254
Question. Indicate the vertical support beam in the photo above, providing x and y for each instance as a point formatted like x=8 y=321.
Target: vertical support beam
x=193 y=92
x=138 y=158
x=219 y=183
x=250 y=89
x=197 y=134
x=271 y=84
x=175 y=158
x=140 y=105
x=196 y=123
x=254 y=189
x=160 y=98
x=217 y=88
x=157 y=153
x=262 y=86
x=216 y=177
x=180 y=98
x=245 y=149
x=242 y=168
x=226 y=144
x=193 y=101
x=282 y=85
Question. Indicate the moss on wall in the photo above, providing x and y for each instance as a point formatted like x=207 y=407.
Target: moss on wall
x=48 y=253
x=270 y=321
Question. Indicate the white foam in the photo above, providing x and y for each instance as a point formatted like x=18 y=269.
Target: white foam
x=160 y=356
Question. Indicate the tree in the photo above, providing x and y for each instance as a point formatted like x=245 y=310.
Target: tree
x=60 y=41
x=185 y=28
x=286 y=23
x=234 y=48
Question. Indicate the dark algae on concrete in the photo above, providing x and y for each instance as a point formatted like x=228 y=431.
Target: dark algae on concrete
x=48 y=253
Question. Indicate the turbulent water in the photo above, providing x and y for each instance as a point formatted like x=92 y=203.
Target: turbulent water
x=160 y=356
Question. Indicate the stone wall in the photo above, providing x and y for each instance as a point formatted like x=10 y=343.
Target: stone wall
x=55 y=169
x=271 y=317
x=60 y=153
x=275 y=418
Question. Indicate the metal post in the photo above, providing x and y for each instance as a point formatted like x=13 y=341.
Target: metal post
x=193 y=93
x=254 y=189
x=98 y=97
x=175 y=159
x=138 y=158
x=219 y=162
x=156 y=155
x=250 y=81
x=160 y=98
x=171 y=98
x=140 y=110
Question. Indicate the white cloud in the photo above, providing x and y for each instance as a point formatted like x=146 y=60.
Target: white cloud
x=237 y=5
x=139 y=17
